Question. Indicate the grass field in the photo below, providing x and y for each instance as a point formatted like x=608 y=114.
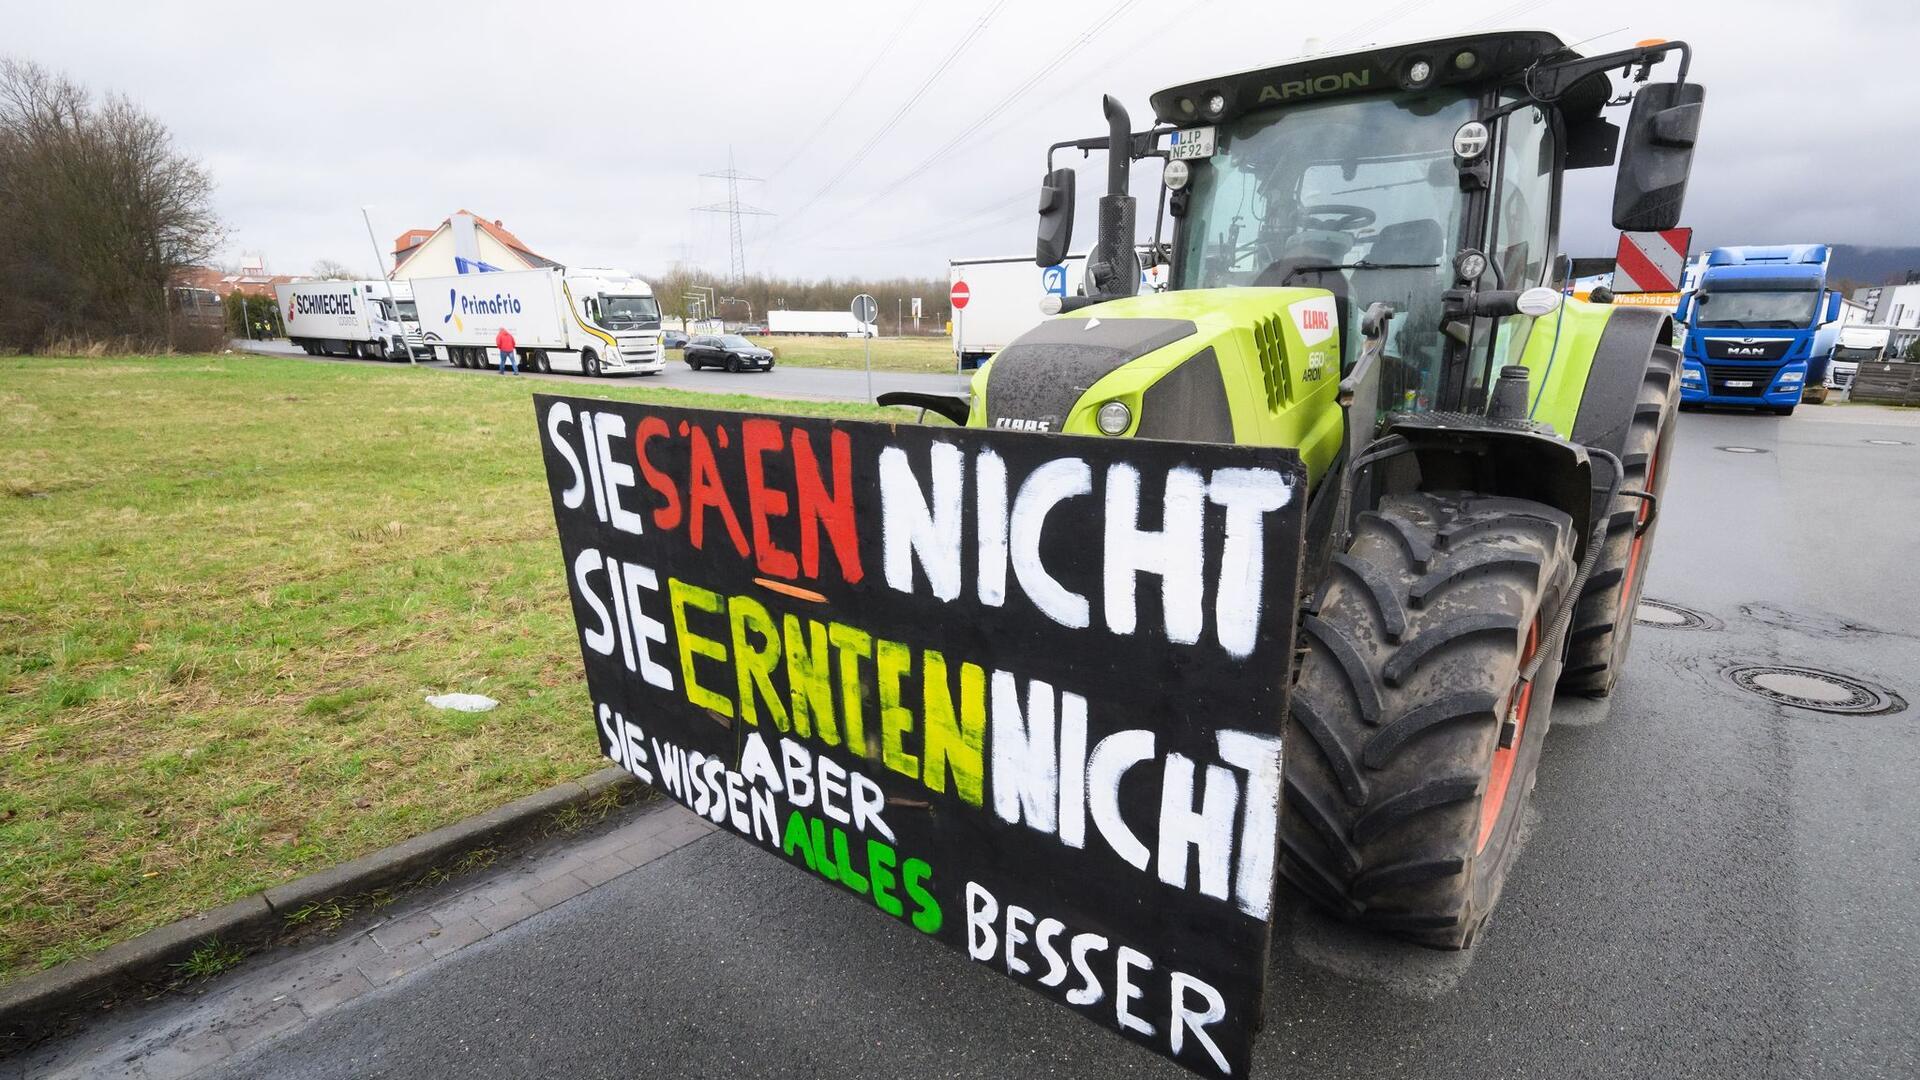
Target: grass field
x=229 y=583
x=889 y=354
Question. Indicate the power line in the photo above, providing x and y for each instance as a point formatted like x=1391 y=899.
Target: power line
x=733 y=208
x=882 y=53
x=1378 y=22
x=1099 y=27
x=899 y=114
x=1510 y=12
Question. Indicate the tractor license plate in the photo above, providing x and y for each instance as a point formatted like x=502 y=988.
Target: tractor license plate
x=1193 y=143
x=1741 y=384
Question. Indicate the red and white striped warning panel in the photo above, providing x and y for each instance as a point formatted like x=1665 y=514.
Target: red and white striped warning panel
x=1651 y=261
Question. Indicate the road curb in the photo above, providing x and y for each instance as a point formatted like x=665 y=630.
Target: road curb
x=29 y=1006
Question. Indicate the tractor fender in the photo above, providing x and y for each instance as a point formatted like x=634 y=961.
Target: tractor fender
x=1619 y=368
x=1516 y=459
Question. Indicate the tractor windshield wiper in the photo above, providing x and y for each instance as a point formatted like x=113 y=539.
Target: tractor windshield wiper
x=1363 y=264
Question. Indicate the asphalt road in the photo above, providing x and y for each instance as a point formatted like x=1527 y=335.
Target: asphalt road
x=785 y=380
x=1713 y=885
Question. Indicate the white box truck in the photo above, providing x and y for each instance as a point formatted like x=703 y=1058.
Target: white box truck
x=343 y=318
x=587 y=321
x=409 y=314
x=1005 y=293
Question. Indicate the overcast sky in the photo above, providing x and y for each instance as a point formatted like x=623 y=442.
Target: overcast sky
x=584 y=127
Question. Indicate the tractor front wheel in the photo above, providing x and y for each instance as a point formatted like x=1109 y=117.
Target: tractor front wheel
x=1412 y=738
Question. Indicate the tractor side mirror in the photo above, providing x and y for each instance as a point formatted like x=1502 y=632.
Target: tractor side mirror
x=1655 y=156
x=1056 y=218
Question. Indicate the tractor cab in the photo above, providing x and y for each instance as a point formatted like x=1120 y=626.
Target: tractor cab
x=1425 y=178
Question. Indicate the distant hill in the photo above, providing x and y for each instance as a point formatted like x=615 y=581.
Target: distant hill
x=1874 y=265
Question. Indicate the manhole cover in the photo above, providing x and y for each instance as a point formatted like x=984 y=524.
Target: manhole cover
x=1672 y=616
x=1821 y=691
x=1741 y=449
x=1886 y=442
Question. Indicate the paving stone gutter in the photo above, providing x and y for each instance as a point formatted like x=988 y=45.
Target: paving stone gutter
x=35 y=1006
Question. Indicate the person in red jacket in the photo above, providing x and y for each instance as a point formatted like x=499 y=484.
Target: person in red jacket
x=505 y=343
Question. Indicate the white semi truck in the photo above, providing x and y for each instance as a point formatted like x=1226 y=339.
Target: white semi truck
x=1856 y=344
x=1005 y=294
x=587 y=321
x=409 y=314
x=343 y=318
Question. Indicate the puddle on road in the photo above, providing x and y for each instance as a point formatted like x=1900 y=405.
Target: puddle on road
x=1813 y=623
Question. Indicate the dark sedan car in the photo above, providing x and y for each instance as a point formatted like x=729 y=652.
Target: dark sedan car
x=672 y=339
x=730 y=351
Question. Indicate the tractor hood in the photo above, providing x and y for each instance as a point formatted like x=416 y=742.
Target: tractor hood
x=1215 y=365
x=1034 y=383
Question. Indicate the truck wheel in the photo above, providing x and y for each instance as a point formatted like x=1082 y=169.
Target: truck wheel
x=1411 y=740
x=1603 y=621
x=590 y=363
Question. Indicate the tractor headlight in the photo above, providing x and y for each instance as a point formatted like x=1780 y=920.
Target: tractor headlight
x=1216 y=104
x=1176 y=175
x=1114 y=418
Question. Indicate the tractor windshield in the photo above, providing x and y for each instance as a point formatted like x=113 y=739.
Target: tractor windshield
x=1358 y=195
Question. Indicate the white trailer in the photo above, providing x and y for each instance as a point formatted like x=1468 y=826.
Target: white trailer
x=1005 y=295
x=1004 y=300
x=1856 y=344
x=587 y=321
x=343 y=318
x=409 y=315
x=827 y=323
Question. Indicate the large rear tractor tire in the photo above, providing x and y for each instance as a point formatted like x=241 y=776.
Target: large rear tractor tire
x=1411 y=741
x=1603 y=621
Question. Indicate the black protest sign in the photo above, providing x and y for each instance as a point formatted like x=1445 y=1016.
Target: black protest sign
x=1023 y=693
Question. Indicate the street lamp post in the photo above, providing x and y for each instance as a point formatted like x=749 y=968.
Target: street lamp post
x=380 y=263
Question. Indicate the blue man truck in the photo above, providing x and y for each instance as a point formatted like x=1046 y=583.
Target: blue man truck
x=1761 y=326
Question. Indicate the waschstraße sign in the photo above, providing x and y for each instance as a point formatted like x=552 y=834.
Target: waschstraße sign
x=1021 y=693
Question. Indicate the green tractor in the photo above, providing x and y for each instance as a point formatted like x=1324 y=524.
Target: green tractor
x=1363 y=268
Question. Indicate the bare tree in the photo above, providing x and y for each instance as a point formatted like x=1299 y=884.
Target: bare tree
x=99 y=214
x=329 y=270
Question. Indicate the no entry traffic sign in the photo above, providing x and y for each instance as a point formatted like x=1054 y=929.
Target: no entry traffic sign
x=960 y=295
